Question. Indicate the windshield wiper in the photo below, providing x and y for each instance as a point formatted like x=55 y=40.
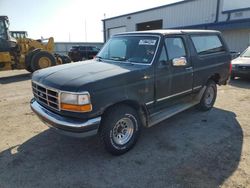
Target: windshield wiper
x=118 y=58
x=98 y=58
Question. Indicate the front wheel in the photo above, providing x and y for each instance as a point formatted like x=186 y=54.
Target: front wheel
x=209 y=96
x=120 y=129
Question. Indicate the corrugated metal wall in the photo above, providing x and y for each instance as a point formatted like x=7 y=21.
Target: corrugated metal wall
x=237 y=40
x=189 y=13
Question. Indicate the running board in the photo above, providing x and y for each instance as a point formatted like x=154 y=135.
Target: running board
x=173 y=110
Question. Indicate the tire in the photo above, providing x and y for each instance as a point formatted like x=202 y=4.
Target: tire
x=42 y=59
x=65 y=59
x=28 y=59
x=120 y=129
x=209 y=96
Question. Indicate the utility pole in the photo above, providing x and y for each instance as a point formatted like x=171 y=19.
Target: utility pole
x=85 y=23
x=69 y=37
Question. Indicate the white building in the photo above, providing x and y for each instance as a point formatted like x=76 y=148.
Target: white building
x=231 y=17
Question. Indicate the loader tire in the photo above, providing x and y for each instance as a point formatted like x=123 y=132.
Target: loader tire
x=28 y=59
x=42 y=60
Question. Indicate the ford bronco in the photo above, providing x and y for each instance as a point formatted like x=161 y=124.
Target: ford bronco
x=137 y=79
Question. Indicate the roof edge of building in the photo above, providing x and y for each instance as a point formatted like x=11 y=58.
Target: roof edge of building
x=141 y=11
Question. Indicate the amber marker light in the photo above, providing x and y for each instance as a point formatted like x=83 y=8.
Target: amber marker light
x=75 y=102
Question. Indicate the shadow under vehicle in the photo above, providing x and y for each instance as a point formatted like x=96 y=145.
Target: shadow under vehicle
x=192 y=149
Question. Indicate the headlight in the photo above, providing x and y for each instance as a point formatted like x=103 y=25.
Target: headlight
x=75 y=102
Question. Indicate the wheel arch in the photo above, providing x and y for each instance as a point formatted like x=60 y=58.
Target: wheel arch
x=141 y=110
x=215 y=77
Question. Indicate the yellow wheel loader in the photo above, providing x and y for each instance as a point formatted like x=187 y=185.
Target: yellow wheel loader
x=25 y=53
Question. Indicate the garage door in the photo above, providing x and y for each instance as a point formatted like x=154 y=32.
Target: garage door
x=116 y=30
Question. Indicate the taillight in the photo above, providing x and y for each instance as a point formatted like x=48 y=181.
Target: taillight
x=230 y=68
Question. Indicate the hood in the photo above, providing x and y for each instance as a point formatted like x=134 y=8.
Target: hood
x=69 y=77
x=241 y=60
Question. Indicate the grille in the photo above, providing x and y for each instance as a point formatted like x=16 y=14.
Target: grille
x=244 y=68
x=46 y=96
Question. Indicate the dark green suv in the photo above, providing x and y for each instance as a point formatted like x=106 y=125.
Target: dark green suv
x=137 y=79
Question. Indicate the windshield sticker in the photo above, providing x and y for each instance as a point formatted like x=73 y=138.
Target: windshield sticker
x=147 y=42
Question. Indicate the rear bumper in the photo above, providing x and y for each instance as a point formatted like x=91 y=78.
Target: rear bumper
x=66 y=125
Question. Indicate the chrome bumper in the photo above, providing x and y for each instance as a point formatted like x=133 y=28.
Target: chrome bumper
x=66 y=125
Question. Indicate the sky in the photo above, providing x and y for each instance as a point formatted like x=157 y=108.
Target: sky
x=69 y=20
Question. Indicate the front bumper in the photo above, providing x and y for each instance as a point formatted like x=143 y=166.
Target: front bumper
x=66 y=125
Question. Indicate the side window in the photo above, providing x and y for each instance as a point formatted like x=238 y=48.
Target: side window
x=175 y=47
x=207 y=44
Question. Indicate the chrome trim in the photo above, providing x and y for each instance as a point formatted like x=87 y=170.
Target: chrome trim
x=174 y=95
x=148 y=103
x=170 y=96
x=197 y=87
x=59 y=92
x=62 y=123
x=47 y=95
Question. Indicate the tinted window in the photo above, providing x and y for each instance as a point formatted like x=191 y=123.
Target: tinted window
x=175 y=47
x=207 y=44
x=75 y=47
x=95 y=49
x=2 y=30
x=83 y=48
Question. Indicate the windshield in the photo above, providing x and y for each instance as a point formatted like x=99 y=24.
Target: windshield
x=136 y=49
x=246 y=53
x=2 y=30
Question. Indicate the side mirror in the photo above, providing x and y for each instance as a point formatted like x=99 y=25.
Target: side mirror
x=178 y=62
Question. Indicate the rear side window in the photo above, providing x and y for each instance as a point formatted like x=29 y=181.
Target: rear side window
x=207 y=44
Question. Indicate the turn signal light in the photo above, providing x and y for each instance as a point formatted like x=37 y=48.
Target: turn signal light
x=78 y=108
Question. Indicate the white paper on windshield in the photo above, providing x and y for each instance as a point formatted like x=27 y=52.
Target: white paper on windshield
x=147 y=42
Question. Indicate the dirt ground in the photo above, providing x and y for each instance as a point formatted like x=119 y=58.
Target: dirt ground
x=192 y=149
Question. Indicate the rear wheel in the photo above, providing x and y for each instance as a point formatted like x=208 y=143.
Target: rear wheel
x=42 y=60
x=120 y=129
x=209 y=96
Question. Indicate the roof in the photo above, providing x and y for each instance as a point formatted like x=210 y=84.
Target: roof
x=163 y=6
x=170 y=31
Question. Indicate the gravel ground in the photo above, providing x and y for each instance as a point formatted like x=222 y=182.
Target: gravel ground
x=192 y=149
